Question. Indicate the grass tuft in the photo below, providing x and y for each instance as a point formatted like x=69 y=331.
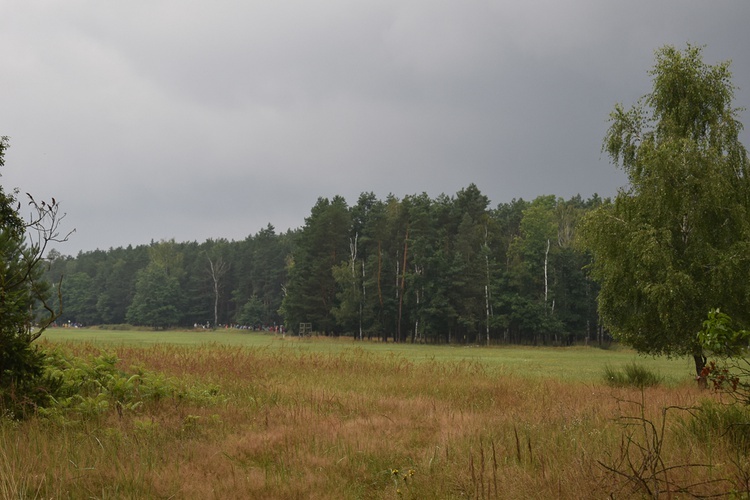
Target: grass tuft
x=632 y=375
x=713 y=422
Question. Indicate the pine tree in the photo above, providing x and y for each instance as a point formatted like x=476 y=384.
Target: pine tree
x=26 y=309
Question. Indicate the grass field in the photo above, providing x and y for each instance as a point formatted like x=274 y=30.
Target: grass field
x=571 y=363
x=247 y=415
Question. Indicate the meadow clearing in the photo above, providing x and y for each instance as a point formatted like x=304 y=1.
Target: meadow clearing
x=246 y=415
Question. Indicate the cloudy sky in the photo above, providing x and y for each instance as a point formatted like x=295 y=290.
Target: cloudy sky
x=194 y=119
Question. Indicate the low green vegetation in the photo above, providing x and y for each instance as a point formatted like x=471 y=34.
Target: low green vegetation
x=632 y=375
x=85 y=387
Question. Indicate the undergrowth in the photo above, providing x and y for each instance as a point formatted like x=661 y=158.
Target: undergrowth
x=79 y=387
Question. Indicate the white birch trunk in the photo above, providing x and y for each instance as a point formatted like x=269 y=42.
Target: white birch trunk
x=353 y=260
x=487 y=308
x=362 y=301
x=487 y=285
x=216 y=271
x=546 y=289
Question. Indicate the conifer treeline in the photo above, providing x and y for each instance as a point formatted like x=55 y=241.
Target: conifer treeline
x=449 y=269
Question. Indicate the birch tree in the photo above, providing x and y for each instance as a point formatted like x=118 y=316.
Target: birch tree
x=675 y=243
x=217 y=268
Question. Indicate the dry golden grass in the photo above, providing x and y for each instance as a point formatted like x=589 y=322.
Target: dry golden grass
x=354 y=424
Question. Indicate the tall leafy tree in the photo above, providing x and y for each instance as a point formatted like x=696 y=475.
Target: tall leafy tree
x=470 y=262
x=155 y=302
x=533 y=254
x=370 y=222
x=422 y=238
x=676 y=242
x=322 y=245
x=158 y=296
x=352 y=277
x=252 y=313
x=348 y=309
x=507 y=221
x=199 y=304
x=80 y=298
x=117 y=278
x=571 y=287
x=268 y=255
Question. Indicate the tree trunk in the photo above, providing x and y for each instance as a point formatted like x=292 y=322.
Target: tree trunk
x=415 y=333
x=403 y=283
x=546 y=290
x=216 y=271
x=362 y=300
x=700 y=363
x=353 y=261
x=380 y=289
x=488 y=311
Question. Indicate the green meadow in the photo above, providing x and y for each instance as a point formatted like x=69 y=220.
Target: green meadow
x=578 y=363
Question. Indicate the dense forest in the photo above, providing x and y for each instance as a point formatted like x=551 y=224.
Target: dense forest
x=448 y=269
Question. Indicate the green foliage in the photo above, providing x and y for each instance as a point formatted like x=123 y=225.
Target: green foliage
x=25 y=308
x=322 y=244
x=252 y=313
x=80 y=298
x=732 y=374
x=349 y=297
x=632 y=375
x=85 y=388
x=449 y=269
x=676 y=243
x=24 y=383
x=157 y=298
x=720 y=338
x=259 y=267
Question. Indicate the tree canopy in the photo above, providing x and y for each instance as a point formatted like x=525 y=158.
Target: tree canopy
x=676 y=242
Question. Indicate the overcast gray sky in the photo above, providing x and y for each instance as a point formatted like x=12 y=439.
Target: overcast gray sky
x=186 y=119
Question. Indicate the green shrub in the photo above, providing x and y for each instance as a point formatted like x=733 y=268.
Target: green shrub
x=632 y=375
x=24 y=384
x=90 y=387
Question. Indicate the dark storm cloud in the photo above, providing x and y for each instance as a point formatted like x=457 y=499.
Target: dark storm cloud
x=190 y=120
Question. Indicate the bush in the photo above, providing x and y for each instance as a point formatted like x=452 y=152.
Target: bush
x=90 y=387
x=632 y=375
x=25 y=383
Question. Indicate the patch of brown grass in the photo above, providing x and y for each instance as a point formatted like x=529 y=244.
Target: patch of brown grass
x=348 y=425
